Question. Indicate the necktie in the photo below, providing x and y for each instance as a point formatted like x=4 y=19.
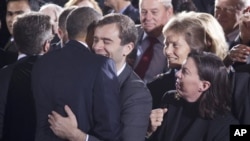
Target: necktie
x=143 y=64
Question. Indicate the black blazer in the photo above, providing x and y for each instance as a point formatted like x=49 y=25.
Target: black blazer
x=136 y=106
x=163 y=83
x=84 y=81
x=17 y=108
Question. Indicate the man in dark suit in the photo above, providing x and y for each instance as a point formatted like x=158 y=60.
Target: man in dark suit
x=76 y=77
x=124 y=7
x=115 y=36
x=239 y=52
x=17 y=108
x=14 y=8
x=147 y=59
x=227 y=12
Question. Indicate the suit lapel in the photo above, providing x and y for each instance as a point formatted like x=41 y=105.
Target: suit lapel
x=124 y=75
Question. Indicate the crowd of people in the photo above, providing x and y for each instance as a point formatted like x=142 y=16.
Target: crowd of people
x=129 y=70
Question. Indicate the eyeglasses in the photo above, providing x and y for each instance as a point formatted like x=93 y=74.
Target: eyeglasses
x=229 y=9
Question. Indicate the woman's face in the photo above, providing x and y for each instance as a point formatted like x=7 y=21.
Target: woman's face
x=188 y=83
x=176 y=49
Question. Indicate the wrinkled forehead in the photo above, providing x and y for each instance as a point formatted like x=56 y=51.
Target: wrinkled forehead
x=153 y=3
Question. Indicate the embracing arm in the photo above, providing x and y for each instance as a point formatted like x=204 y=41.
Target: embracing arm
x=105 y=115
x=66 y=127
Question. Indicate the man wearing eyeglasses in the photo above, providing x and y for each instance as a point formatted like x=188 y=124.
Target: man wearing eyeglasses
x=227 y=12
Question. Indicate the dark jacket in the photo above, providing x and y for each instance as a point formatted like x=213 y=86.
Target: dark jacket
x=84 y=81
x=17 y=108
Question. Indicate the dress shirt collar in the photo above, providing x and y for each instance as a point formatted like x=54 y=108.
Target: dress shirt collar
x=84 y=44
x=20 y=56
x=12 y=39
x=120 y=71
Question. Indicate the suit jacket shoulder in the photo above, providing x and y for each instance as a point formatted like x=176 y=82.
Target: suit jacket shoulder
x=128 y=79
x=136 y=106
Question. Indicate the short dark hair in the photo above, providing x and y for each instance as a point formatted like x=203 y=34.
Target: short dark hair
x=216 y=100
x=79 y=20
x=63 y=16
x=31 y=31
x=127 y=30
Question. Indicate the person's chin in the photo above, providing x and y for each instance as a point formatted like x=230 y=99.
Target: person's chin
x=173 y=65
x=148 y=27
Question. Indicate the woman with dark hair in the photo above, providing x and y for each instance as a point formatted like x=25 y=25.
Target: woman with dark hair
x=199 y=109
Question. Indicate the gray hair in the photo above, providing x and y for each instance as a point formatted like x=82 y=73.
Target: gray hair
x=31 y=31
x=166 y=3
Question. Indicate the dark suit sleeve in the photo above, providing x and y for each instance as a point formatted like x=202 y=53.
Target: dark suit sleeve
x=106 y=106
x=5 y=75
x=240 y=97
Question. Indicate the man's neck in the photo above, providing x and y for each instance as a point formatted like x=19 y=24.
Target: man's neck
x=81 y=39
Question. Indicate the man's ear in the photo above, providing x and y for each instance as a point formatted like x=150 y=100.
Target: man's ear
x=46 y=46
x=205 y=85
x=128 y=48
x=170 y=12
x=60 y=33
